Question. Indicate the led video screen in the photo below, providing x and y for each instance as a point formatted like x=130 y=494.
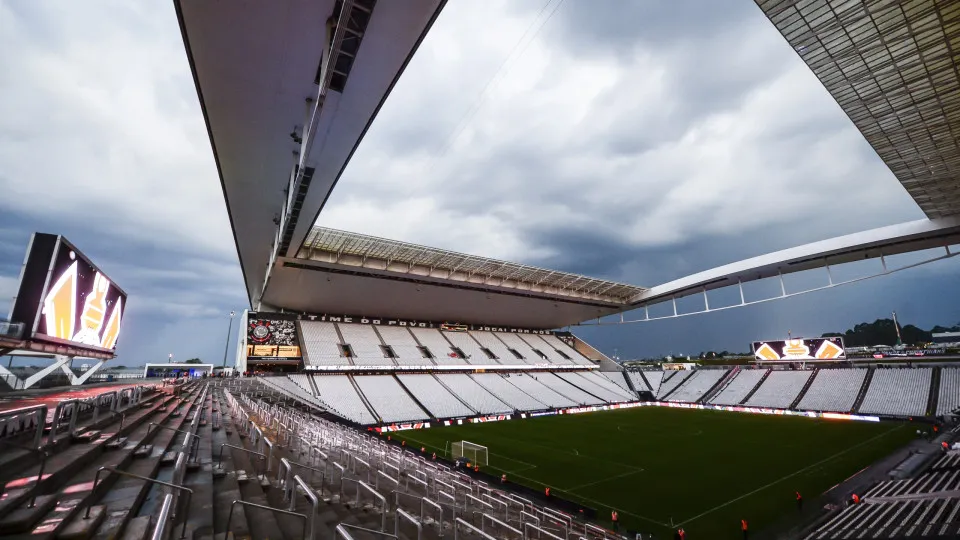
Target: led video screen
x=799 y=349
x=63 y=295
x=272 y=338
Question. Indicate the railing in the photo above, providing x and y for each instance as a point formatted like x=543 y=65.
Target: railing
x=96 y=480
x=43 y=463
x=460 y=521
x=220 y=455
x=314 y=501
x=23 y=414
x=484 y=518
x=401 y=513
x=342 y=532
x=288 y=482
x=160 y=531
x=264 y=507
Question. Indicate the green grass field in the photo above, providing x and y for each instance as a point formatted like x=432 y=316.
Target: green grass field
x=704 y=470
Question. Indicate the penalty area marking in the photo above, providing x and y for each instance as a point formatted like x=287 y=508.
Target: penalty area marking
x=791 y=475
x=602 y=480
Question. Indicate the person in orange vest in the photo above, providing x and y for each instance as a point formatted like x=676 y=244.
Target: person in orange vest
x=855 y=498
x=683 y=534
x=799 y=502
x=744 y=528
x=503 y=478
x=434 y=456
x=944 y=445
x=403 y=443
x=546 y=492
x=616 y=522
x=423 y=449
x=476 y=468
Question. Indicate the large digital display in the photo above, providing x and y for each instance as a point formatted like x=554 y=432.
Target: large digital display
x=799 y=349
x=63 y=295
x=272 y=338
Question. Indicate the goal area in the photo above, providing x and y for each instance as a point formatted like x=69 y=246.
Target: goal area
x=474 y=453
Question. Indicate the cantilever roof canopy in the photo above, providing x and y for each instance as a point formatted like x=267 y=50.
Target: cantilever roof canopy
x=343 y=272
x=892 y=67
x=291 y=83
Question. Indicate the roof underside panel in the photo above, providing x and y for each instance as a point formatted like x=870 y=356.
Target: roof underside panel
x=892 y=67
x=345 y=248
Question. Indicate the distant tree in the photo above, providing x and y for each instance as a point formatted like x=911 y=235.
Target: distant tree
x=121 y=367
x=881 y=332
x=193 y=361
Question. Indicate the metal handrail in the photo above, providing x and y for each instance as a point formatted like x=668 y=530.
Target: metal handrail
x=485 y=517
x=401 y=513
x=96 y=479
x=160 y=530
x=312 y=497
x=194 y=441
x=527 y=525
x=264 y=507
x=220 y=455
x=40 y=411
x=44 y=454
x=288 y=478
x=74 y=412
x=341 y=532
x=461 y=521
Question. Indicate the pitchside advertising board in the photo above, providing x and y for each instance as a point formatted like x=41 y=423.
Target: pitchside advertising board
x=799 y=349
x=63 y=297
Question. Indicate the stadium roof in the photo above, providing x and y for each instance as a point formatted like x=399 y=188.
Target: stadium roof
x=288 y=90
x=331 y=245
x=892 y=67
x=344 y=272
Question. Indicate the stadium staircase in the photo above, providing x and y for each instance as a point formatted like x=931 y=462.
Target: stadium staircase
x=66 y=502
x=755 y=388
x=721 y=384
x=934 y=392
x=363 y=398
x=454 y=394
x=686 y=379
x=414 y=398
x=646 y=381
x=863 y=390
x=806 y=386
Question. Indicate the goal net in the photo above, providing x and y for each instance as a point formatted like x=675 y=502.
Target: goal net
x=474 y=453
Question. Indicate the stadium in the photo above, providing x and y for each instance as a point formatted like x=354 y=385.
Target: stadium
x=383 y=389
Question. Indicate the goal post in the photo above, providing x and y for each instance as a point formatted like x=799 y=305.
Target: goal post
x=474 y=453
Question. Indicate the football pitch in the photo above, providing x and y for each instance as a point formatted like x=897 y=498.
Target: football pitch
x=662 y=468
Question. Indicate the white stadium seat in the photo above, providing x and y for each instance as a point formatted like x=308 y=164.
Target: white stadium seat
x=575 y=394
x=738 y=388
x=949 y=398
x=404 y=346
x=497 y=347
x=590 y=385
x=560 y=345
x=553 y=356
x=439 y=347
x=365 y=343
x=540 y=391
x=697 y=385
x=470 y=347
x=618 y=378
x=833 y=390
x=477 y=397
x=340 y=396
x=654 y=378
x=434 y=396
x=500 y=386
x=779 y=389
x=522 y=347
x=671 y=380
x=390 y=401
x=898 y=392
x=321 y=344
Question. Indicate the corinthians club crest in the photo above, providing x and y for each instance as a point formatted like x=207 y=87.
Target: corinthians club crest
x=260 y=332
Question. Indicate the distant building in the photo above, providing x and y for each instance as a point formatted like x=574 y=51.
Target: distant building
x=947 y=337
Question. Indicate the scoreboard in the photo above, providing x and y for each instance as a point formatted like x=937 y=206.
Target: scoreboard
x=799 y=349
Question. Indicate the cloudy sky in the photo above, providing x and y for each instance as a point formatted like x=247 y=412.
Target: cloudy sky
x=636 y=141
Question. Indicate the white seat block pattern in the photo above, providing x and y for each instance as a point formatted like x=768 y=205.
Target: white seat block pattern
x=833 y=390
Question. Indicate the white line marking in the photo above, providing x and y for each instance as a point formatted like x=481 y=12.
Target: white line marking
x=791 y=475
x=628 y=473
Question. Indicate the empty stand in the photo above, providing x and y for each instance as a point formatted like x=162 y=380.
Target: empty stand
x=618 y=378
x=321 y=344
x=553 y=356
x=439 y=347
x=470 y=347
x=365 y=344
x=949 y=398
x=503 y=353
x=671 y=381
x=695 y=386
x=898 y=392
x=435 y=396
x=833 y=390
x=601 y=388
x=540 y=391
x=477 y=397
x=560 y=345
x=401 y=341
x=654 y=378
x=338 y=394
x=510 y=394
x=562 y=387
x=522 y=347
x=779 y=389
x=597 y=378
x=389 y=400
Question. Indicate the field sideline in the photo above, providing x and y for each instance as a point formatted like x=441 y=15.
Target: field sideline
x=662 y=468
